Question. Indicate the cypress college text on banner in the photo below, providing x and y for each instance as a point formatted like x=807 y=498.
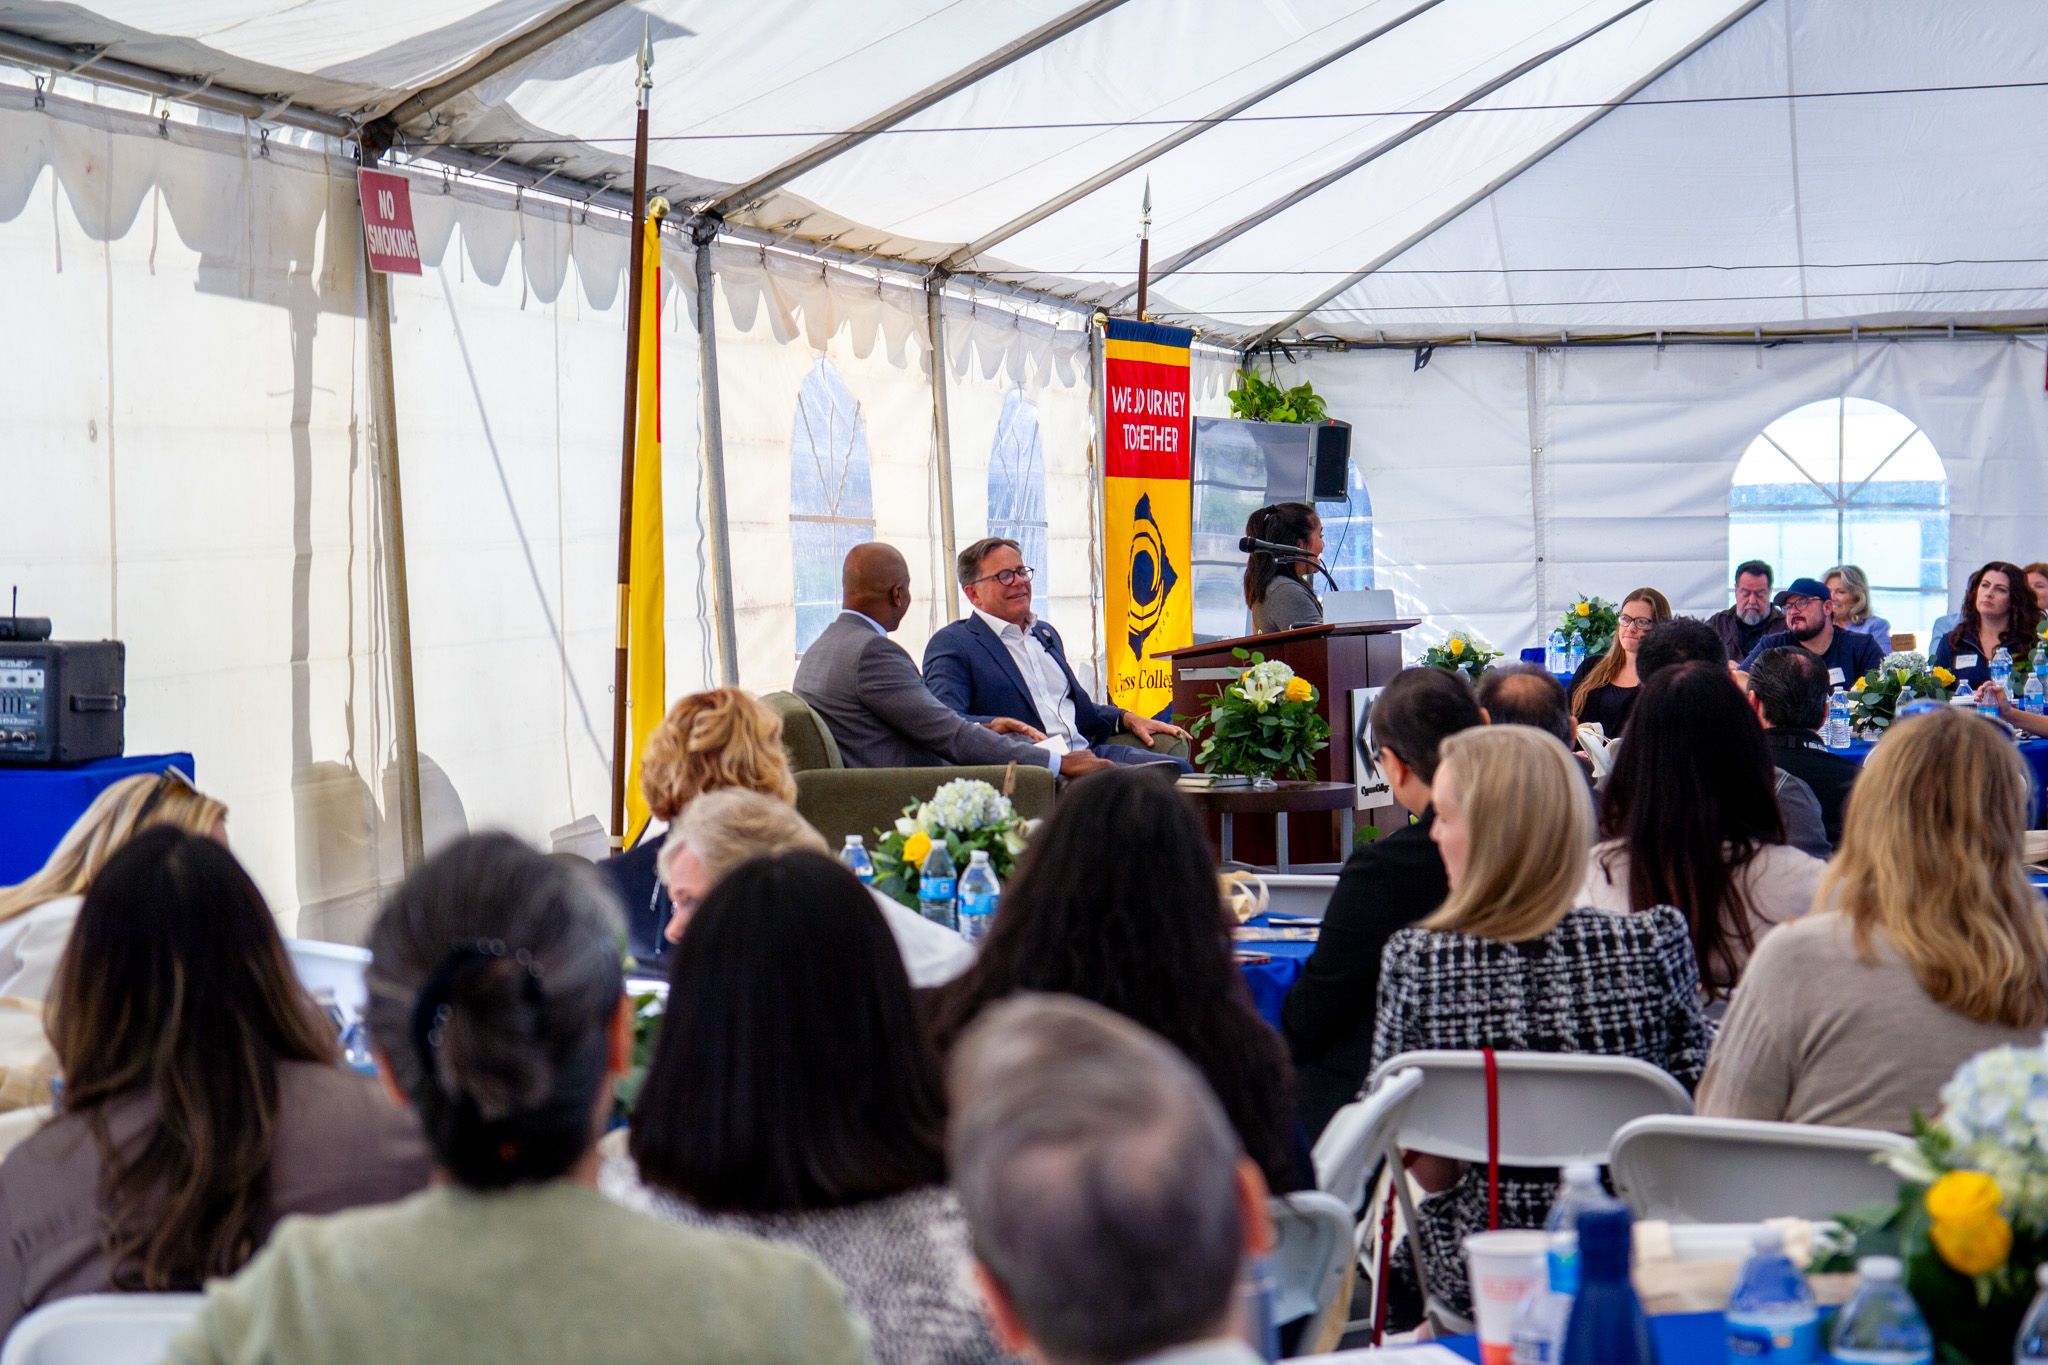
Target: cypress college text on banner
x=1149 y=596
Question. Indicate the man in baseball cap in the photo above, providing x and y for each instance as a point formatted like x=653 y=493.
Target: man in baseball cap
x=1809 y=623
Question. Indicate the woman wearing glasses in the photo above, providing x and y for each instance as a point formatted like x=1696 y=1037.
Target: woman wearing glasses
x=1277 y=590
x=1604 y=689
x=36 y=916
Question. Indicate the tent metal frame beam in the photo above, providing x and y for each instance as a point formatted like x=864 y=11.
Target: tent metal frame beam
x=1195 y=129
x=2036 y=332
x=825 y=151
x=1635 y=88
x=513 y=50
x=1375 y=152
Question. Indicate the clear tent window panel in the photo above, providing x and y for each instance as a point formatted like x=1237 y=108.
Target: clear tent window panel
x=1848 y=481
x=831 y=495
x=1016 y=485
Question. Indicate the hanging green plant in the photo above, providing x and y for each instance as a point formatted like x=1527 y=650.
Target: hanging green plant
x=1261 y=400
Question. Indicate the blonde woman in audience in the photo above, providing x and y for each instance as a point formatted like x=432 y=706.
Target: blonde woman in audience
x=1512 y=960
x=203 y=1096
x=1849 y=599
x=721 y=830
x=36 y=916
x=1604 y=689
x=709 y=741
x=793 y=1096
x=1927 y=945
x=499 y=1012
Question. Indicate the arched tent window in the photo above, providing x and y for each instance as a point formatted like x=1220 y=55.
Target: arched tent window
x=1347 y=536
x=1016 y=485
x=831 y=498
x=1848 y=481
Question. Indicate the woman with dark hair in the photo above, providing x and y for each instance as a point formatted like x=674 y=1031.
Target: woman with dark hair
x=1116 y=901
x=194 y=1116
x=1279 y=591
x=792 y=1096
x=1998 y=610
x=1604 y=689
x=498 y=1009
x=1690 y=819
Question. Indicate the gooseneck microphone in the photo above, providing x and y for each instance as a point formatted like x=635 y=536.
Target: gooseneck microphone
x=1286 y=554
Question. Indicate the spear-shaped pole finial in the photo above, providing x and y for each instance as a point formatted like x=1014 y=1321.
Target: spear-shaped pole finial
x=645 y=81
x=1144 y=247
x=1145 y=214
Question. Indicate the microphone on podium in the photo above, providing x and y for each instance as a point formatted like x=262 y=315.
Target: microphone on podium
x=1287 y=554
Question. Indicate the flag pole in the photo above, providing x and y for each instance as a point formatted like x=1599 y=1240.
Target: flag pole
x=621 y=759
x=1144 y=247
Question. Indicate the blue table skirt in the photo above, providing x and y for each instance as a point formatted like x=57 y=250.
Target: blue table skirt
x=1682 y=1339
x=1270 y=980
x=38 y=805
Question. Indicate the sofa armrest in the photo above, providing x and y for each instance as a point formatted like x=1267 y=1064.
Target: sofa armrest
x=1163 y=745
x=843 y=801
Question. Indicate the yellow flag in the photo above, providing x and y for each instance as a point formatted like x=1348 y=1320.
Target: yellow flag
x=646 y=646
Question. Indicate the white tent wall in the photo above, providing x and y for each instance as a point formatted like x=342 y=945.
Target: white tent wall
x=1505 y=481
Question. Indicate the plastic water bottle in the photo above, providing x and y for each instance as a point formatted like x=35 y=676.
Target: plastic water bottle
x=1545 y=1311
x=979 y=891
x=2001 y=669
x=2036 y=667
x=1607 y=1326
x=1880 y=1325
x=1771 y=1313
x=936 y=887
x=1580 y=1192
x=1838 y=735
x=1575 y=655
x=1986 y=707
x=1554 y=657
x=2032 y=1346
x=855 y=856
x=2034 y=698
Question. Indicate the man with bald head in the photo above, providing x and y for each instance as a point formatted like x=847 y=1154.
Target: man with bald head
x=870 y=693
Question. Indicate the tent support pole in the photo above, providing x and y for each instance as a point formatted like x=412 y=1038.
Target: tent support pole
x=391 y=519
x=942 y=433
x=703 y=233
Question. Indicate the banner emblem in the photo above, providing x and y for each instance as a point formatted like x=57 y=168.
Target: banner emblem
x=1152 y=575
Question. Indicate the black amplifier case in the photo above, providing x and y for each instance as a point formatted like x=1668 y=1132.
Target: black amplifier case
x=61 y=701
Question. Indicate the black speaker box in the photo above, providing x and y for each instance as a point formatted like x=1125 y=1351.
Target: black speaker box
x=61 y=701
x=1331 y=480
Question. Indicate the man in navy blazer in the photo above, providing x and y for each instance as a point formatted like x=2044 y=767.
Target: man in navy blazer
x=1000 y=660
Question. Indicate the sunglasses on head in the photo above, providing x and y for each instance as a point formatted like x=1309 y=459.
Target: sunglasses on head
x=169 y=778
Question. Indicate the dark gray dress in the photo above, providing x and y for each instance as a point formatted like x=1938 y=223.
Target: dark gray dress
x=1288 y=603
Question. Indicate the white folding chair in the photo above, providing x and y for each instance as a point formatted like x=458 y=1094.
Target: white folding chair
x=1555 y=1109
x=1312 y=1251
x=101 y=1329
x=1702 y=1170
x=1352 y=1144
x=338 y=967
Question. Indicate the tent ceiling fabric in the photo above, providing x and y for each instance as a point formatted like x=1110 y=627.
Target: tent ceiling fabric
x=1707 y=199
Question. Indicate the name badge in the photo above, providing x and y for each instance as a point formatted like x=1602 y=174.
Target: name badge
x=1835 y=676
x=1966 y=661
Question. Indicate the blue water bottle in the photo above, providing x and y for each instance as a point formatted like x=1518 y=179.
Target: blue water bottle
x=1607 y=1324
x=1839 y=724
x=1880 y=1325
x=979 y=891
x=937 y=887
x=855 y=856
x=1771 y=1313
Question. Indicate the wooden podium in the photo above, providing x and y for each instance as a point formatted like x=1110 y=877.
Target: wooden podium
x=1337 y=658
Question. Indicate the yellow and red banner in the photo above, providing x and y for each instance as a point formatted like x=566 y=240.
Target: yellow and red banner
x=1147 y=512
x=643 y=628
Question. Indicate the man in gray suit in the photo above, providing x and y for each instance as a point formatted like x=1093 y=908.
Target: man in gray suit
x=869 y=690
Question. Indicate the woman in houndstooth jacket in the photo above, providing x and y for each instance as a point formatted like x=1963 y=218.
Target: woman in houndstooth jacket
x=1510 y=962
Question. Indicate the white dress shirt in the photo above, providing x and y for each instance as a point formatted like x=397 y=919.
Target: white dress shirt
x=1042 y=675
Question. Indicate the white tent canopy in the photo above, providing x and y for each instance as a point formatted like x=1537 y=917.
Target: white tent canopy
x=186 y=433
x=1319 y=167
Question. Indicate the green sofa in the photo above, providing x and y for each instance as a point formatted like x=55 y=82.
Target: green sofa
x=839 y=800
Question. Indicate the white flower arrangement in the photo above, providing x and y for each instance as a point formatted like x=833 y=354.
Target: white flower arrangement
x=1265 y=683
x=1994 y=1118
x=1911 y=660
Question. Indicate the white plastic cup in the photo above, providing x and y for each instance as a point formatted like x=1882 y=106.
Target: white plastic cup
x=1504 y=1267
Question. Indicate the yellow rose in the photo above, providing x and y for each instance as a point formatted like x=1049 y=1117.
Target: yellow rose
x=1299 y=690
x=1962 y=1197
x=1584 y=609
x=1861 y=683
x=1943 y=676
x=1973 y=1248
x=1457 y=647
x=915 y=849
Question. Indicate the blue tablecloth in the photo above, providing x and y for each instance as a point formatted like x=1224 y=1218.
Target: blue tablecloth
x=1682 y=1339
x=1269 y=980
x=37 y=805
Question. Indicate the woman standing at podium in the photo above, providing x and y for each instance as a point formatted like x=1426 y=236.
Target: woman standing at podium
x=1275 y=588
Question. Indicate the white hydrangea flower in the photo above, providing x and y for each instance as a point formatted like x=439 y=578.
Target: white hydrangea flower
x=966 y=804
x=1265 y=683
x=1913 y=661
x=1995 y=1112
